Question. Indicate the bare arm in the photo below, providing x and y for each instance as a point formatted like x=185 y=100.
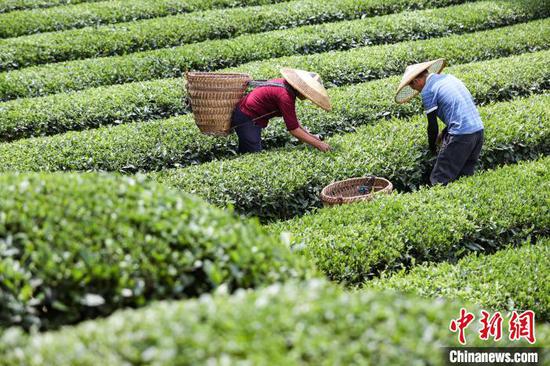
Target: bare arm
x=308 y=138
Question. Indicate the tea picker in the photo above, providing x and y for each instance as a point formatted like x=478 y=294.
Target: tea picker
x=446 y=97
x=443 y=96
x=219 y=104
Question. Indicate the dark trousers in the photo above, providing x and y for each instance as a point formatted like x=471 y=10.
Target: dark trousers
x=250 y=135
x=458 y=157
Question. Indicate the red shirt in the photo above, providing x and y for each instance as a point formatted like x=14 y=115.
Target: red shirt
x=277 y=101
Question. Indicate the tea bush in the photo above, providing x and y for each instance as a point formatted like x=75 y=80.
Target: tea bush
x=78 y=246
x=489 y=80
x=123 y=38
x=353 y=243
x=215 y=54
x=11 y=5
x=282 y=184
x=511 y=279
x=58 y=18
x=177 y=142
x=311 y=323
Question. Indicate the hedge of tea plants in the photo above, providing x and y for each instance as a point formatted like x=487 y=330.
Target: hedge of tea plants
x=282 y=184
x=23 y=22
x=377 y=62
x=78 y=246
x=215 y=54
x=494 y=79
x=177 y=142
x=353 y=243
x=122 y=38
x=511 y=279
x=11 y=5
x=99 y=268
x=311 y=323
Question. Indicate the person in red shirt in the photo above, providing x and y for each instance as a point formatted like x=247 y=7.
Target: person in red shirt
x=277 y=98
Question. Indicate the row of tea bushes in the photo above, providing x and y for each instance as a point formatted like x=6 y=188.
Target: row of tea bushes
x=511 y=279
x=285 y=183
x=78 y=246
x=377 y=62
x=215 y=54
x=310 y=323
x=353 y=243
x=58 y=18
x=176 y=30
x=176 y=142
x=137 y=101
x=11 y=5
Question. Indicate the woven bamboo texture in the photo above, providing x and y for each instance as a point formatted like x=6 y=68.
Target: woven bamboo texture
x=213 y=98
x=354 y=190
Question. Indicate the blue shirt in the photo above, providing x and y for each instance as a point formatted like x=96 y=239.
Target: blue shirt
x=453 y=102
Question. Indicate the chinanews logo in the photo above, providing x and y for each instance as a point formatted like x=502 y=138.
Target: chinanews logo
x=518 y=327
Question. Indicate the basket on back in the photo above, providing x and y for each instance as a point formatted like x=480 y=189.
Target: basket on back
x=213 y=98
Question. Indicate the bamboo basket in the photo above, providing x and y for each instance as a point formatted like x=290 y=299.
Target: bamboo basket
x=213 y=98
x=349 y=190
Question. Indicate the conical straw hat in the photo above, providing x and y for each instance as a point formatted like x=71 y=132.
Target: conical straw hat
x=404 y=91
x=309 y=84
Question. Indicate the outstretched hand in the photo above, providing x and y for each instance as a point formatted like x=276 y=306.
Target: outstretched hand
x=323 y=146
x=304 y=136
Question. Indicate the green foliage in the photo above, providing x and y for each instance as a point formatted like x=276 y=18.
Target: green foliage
x=310 y=323
x=177 y=142
x=11 y=5
x=215 y=54
x=123 y=38
x=282 y=184
x=377 y=62
x=363 y=103
x=355 y=242
x=77 y=246
x=511 y=279
x=25 y=22
x=90 y=108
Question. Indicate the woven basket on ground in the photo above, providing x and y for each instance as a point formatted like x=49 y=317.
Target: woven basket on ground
x=354 y=190
x=213 y=98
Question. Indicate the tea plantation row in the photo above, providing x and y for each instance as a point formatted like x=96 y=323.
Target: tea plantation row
x=11 y=5
x=214 y=54
x=176 y=142
x=123 y=103
x=353 y=243
x=140 y=242
x=25 y=22
x=511 y=279
x=176 y=30
x=269 y=187
x=310 y=323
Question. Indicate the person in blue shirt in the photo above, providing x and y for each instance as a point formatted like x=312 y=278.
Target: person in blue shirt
x=446 y=97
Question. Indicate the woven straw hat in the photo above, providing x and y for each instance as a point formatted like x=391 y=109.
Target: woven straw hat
x=404 y=91
x=309 y=84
